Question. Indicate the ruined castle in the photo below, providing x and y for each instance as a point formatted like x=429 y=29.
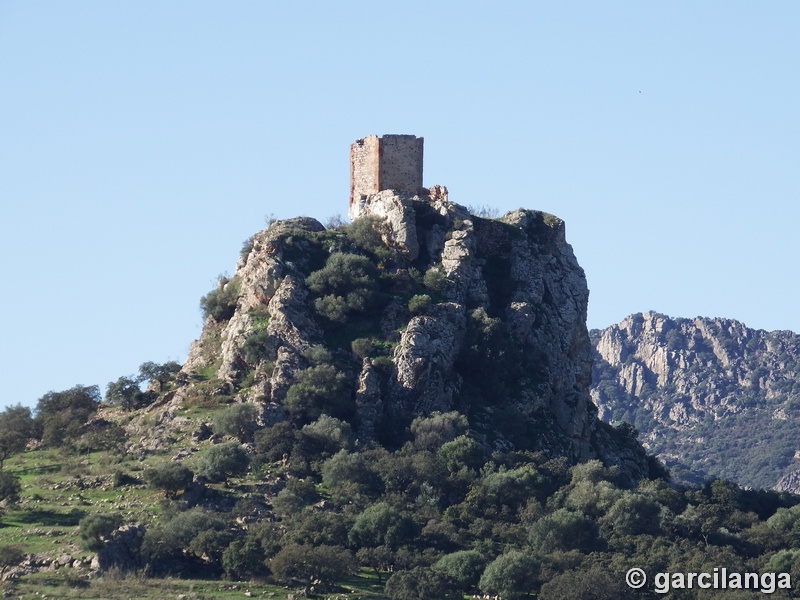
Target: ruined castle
x=390 y=162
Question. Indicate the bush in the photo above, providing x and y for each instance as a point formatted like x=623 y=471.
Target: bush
x=365 y=232
x=419 y=304
x=238 y=420
x=94 y=527
x=172 y=477
x=346 y=285
x=275 y=443
x=318 y=390
x=9 y=488
x=223 y=461
x=220 y=303
x=435 y=279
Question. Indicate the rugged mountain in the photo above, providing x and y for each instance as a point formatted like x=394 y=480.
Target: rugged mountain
x=711 y=397
x=416 y=307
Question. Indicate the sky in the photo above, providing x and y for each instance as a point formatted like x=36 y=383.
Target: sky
x=142 y=142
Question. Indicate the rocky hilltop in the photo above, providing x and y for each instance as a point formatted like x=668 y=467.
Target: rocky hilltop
x=711 y=397
x=416 y=307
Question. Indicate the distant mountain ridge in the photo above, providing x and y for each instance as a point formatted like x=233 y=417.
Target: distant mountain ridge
x=710 y=397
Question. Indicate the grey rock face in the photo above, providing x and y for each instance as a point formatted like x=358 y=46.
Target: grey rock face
x=502 y=339
x=710 y=396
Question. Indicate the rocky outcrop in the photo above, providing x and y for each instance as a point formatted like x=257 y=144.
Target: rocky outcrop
x=496 y=328
x=707 y=395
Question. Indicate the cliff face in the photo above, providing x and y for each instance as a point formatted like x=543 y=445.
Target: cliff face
x=417 y=307
x=709 y=396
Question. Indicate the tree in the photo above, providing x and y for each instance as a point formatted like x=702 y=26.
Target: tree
x=464 y=568
x=60 y=415
x=511 y=575
x=9 y=488
x=302 y=563
x=16 y=428
x=563 y=530
x=238 y=420
x=381 y=524
x=223 y=461
x=421 y=583
x=95 y=526
x=172 y=477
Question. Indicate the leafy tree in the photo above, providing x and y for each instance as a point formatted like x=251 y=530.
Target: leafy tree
x=16 y=428
x=220 y=462
x=172 y=477
x=302 y=563
x=461 y=453
x=276 y=442
x=348 y=477
x=126 y=393
x=587 y=584
x=563 y=530
x=435 y=279
x=238 y=420
x=511 y=575
x=421 y=583
x=346 y=285
x=294 y=497
x=464 y=568
x=162 y=374
x=60 y=415
x=419 y=304
x=169 y=540
x=379 y=525
x=244 y=558
x=95 y=526
x=9 y=488
x=325 y=437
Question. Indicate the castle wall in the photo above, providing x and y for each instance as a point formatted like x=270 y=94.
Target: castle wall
x=400 y=163
x=392 y=162
x=364 y=166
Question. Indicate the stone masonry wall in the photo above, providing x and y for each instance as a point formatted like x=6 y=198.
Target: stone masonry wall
x=400 y=163
x=392 y=162
x=364 y=165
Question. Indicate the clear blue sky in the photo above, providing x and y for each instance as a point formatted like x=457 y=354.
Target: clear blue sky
x=142 y=142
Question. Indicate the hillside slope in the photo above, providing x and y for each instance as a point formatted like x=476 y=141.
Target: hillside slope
x=711 y=397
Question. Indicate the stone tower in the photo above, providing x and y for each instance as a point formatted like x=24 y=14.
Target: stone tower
x=391 y=162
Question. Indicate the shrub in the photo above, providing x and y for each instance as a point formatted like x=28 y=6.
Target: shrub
x=94 y=527
x=365 y=232
x=238 y=420
x=223 y=461
x=220 y=303
x=172 y=477
x=244 y=558
x=420 y=304
x=346 y=285
x=318 y=390
x=435 y=279
x=276 y=442
x=10 y=556
x=433 y=431
x=9 y=488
